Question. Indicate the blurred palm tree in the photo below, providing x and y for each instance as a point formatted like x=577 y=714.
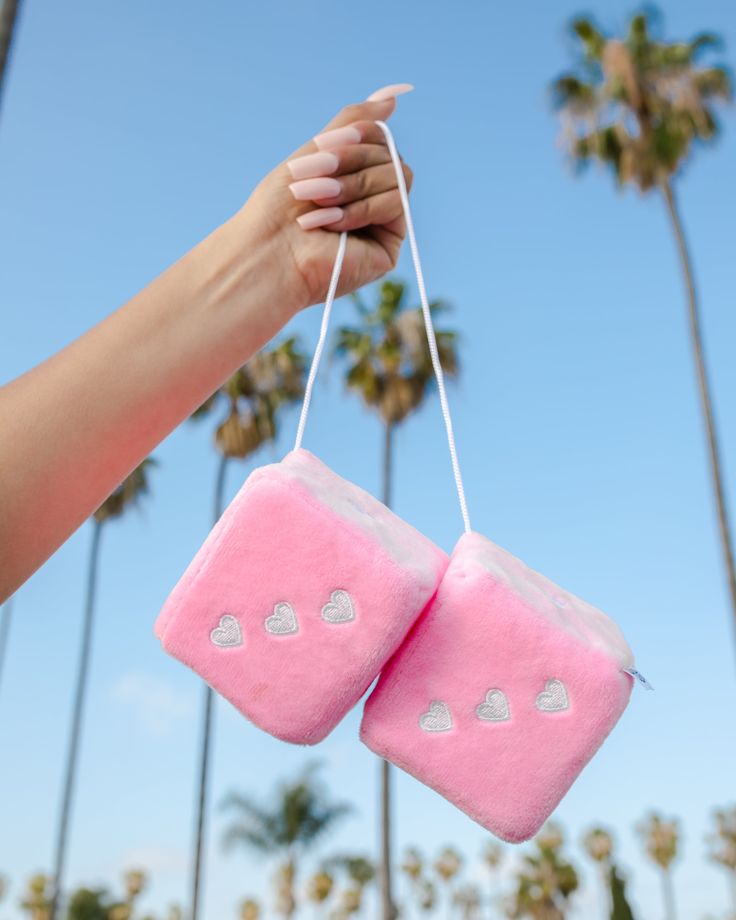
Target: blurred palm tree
x=598 y=844
x=639 y=105
x=253 y=398
x=300 y=813
x=127 y=495
x=467 y=899
x=389 y=366
x=661 y=840
x=320 y=887
x=722 y=846
x=36 y=900
x=360 y=872
x=8 y=23
x=250 y=910
x=447 y=867
x=492 y=858
x=546 y=880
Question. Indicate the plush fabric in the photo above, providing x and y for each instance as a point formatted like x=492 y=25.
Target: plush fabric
x=502 y=692
x=298 y=597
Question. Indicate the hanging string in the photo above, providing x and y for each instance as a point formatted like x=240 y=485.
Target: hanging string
x=428 y=325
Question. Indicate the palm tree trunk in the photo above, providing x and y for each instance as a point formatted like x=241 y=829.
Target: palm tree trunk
x=204 y=759
x=8 y=18
x=77 y=716
x=5 y=617
x=668 y=890
x=388 y=909
x=705 y=395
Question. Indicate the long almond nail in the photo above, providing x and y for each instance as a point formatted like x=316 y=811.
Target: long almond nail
x=314 y=189
x=337 y=137
x=388 y=92
x=313 y=164
x=319 y=218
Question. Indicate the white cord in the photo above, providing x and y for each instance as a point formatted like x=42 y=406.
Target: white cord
x=428 y=325
x=322 y=338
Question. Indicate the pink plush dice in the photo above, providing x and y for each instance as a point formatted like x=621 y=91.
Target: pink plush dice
x=298 y=597
x=502 y=692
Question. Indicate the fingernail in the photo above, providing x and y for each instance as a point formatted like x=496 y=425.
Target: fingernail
x=312 y=189
x=388 y=92
x=313 y=164
x=348 y=134
x=319 y=218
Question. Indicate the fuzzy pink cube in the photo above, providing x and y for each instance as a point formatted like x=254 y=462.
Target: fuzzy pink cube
x=298 y=597
x=502 y=692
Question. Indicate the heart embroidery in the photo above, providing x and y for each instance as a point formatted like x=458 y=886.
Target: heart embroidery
x=228 y=633
x=553 y=698
x=437 y=718
x=282 y=621
x=495 y=707
x=339 y=609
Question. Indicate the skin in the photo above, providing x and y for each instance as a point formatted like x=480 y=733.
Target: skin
x=77 y=424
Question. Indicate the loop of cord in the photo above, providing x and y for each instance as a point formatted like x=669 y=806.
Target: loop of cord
x=428 y=325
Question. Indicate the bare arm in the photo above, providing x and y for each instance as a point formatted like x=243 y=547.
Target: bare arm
x=74 y=426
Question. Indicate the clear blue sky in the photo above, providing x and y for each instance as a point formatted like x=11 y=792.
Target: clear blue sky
x=131 y=129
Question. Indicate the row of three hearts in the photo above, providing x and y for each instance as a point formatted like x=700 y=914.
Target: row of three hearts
x=495 y=707
x=283 y=621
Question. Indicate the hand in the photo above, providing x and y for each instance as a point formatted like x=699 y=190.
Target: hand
x=303 y=231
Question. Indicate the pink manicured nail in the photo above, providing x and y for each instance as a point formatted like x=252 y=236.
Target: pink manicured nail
x=348 y=134
x=388 y=92
x=313 y=189
x=319 y=218
x=313 y=164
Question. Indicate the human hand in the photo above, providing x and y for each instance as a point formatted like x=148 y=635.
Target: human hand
x=343 y=179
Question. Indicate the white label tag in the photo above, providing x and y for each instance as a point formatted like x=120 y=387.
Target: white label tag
x=639 y=677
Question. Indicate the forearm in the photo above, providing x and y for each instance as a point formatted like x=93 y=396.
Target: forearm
x=77 y=424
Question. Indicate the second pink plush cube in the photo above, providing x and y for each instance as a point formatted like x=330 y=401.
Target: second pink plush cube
x=299 y=596
x=503 y=691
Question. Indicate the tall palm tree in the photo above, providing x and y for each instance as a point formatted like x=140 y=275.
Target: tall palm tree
x=389 y=365
x=6 y=614
x=640 y=105
x=661 y=840
x=598 y=844
x=8 y=20
x=447 y=866
x=125 y=496
x=360 y=872
x=722 y=846
x=253 y=397
x=299 y=814
x=546 y=880
x=492 y=858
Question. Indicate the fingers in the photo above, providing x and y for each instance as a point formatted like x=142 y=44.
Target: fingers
x=346 y=173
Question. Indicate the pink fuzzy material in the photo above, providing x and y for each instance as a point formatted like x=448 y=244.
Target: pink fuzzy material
x=336 y=576
x=481 y=658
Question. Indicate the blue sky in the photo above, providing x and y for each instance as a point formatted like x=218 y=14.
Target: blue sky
x=128 y=131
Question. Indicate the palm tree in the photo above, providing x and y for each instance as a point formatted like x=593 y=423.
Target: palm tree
x=639 y=106
x=546 y=880
x=492 y=857
x=125 y=496
x=598 y=844
x=253 y=396
x=299 y=814
x=447 y=866
x=360 y=872
x=661 y=839
x=389 y=365
x=5 y=617
x=722 y=846
x=8 y=18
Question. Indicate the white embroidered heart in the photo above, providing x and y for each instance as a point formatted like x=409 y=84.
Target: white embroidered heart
x=494 y=708
x=339 y=608
x=228 y=634
x=282 y=621
x=438 y=717
x=553 y=698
